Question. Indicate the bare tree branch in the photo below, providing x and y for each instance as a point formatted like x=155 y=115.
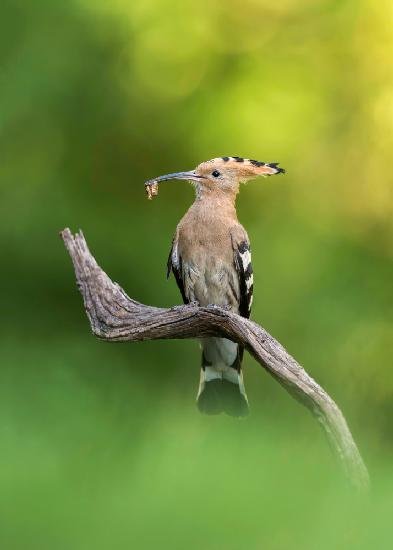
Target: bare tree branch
x=116 y=317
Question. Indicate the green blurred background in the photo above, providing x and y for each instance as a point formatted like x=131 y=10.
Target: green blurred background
x=102 y=445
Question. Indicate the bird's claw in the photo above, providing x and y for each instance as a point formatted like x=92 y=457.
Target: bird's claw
x=177 y=307
x=227 y=307
x=181 y=306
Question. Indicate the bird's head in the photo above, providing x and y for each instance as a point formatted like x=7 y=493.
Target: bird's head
x=222 y=174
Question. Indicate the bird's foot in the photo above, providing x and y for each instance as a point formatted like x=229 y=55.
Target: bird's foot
x=177 y=307
x=190 y=304
x=227 y=307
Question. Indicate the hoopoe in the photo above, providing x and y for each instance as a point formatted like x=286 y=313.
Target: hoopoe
x=210 y=258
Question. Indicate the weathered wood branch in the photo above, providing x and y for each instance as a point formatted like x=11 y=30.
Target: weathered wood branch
x=115 y=317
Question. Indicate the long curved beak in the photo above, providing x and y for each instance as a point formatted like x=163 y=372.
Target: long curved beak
x=191 y=176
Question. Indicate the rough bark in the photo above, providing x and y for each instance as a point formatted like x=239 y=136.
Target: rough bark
x=116 y=317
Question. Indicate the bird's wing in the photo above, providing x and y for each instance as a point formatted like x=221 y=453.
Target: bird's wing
x=174 y=264
x=243 y=266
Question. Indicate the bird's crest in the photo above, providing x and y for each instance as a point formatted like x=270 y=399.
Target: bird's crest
x=249 y=168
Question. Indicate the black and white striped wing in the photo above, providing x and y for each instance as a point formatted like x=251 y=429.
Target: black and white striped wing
x=174 y=264
x=243 y=267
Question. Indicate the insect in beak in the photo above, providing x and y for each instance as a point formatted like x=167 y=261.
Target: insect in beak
x=151 y=186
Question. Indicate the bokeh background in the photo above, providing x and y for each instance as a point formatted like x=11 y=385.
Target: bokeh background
x=102 y=445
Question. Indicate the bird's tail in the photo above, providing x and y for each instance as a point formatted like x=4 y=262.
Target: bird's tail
x=221 y=387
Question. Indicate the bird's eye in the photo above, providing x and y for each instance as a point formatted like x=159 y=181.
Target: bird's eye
x=216 y=173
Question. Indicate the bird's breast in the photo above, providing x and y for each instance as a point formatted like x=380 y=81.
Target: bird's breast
x=208 y=263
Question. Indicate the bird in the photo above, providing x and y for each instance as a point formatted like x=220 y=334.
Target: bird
x=210 y=258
